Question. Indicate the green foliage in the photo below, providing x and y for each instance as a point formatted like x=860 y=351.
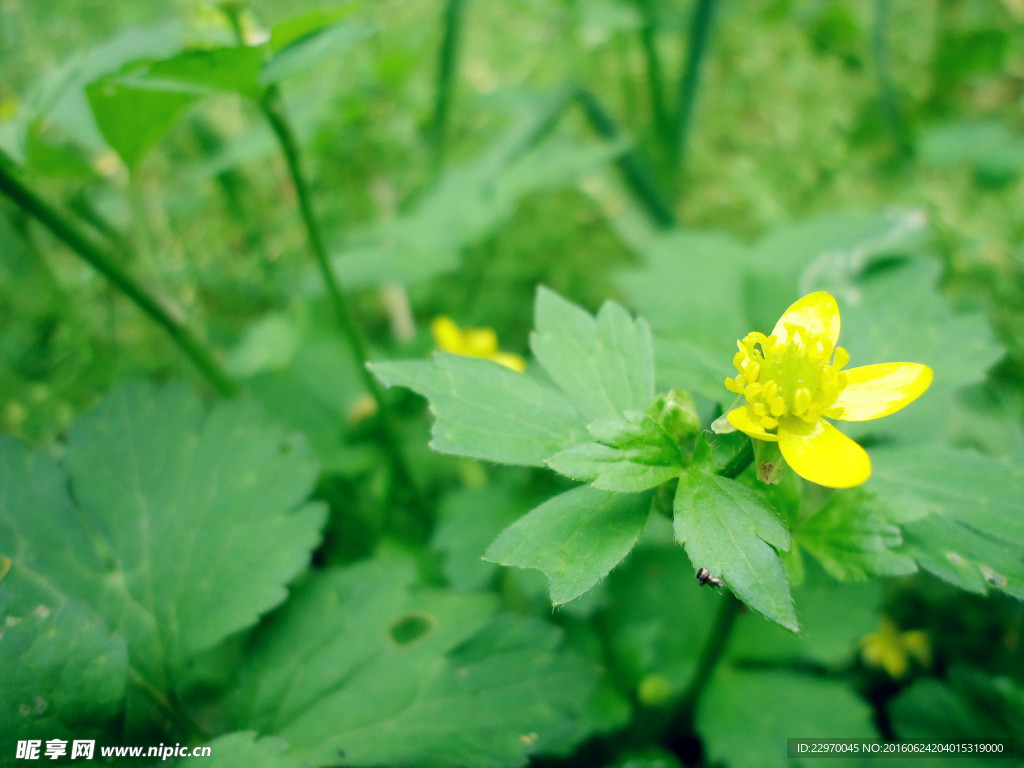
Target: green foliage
x=734 y=533
x=486 y=411
x=632 y=453
x=292 y=578
x=576 y=538
x=126 y=544
x=365 y=664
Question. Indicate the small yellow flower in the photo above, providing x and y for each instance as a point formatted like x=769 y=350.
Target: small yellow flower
x=472 y=342
x=794 y=378
x=892 y=650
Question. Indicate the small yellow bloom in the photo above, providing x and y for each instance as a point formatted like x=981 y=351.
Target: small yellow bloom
x=472 y=342
x=794 y=378
x=892 y=650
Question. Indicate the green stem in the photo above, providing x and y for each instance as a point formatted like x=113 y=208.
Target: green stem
x=886 y=90
x=447 y=62
x=655 y=73
x=634 y=171
x=714 y=646
x=742 y=459
x=273 y=109
x=700 y=37
x=107 y=266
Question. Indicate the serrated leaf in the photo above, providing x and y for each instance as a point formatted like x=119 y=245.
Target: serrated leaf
x=605 y=365
x=852 y=537
x=486 y=411
x=733 y=532
x=633 y=454
x=184 y=527
x=576 y=538
x=971 y=560
x=64 y=673
x=134 y=115
x=245 y=748
x=364 y=666
x=975 y=535
x=313 y=49
x=746 y=717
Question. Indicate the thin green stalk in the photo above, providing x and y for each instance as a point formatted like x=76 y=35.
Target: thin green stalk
x=700 y=37
x=273 y=109
x=447 y=63
x=633 y=169
x=886 y=90
x=106 y=265
x=655 y=72
x=711 y=654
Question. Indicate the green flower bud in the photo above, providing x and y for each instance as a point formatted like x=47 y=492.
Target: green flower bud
x=676 y=413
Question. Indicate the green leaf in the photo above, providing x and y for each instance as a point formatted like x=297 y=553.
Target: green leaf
x=183 y=528
x=64 y=673
x=605 y=365
x=633 y=453
x=486 y=411
x=833 y=618
x=852 y=537
x=313 y=49
x=972 y=706
x=975 y=535
x=134 y=115
x=689 y=287
x=233 y=69
x=658 y=617
x=468 y=203
x=731 y=530
x=746 y=717
x=576 y=538
x=245 y=748
x=365 y=666
x=468 y=520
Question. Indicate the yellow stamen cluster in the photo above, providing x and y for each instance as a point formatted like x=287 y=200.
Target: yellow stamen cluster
x=796 y=378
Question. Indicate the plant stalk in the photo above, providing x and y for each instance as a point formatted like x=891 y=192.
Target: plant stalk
x=273 y=109
x=634 y=171
x=655 y=72
x=700 y=37
x=886 y=90
x=447 y=63
x=106 y=265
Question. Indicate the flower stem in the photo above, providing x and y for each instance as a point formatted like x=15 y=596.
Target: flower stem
x=634 y=171
x=655 y=72
x=273 y=110
x=700 y=37
x=453 y=15
x=886 y=90
x=106 y=265
x=711 y=654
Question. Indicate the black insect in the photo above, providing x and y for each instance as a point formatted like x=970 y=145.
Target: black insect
x=704 y=577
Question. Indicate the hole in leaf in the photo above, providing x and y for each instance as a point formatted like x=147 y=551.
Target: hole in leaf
x=411 y=628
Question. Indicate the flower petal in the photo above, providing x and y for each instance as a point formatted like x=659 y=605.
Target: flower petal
x=874 y=391
x=822 y=454
x=817 y=312
x=742 y=421
x=447 y=335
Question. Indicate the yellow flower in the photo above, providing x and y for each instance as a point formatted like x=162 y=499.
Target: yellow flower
x=472 y=342
x=794 y=378
x=891 y=649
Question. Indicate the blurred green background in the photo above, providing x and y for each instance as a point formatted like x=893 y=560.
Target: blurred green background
x=460 y=154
